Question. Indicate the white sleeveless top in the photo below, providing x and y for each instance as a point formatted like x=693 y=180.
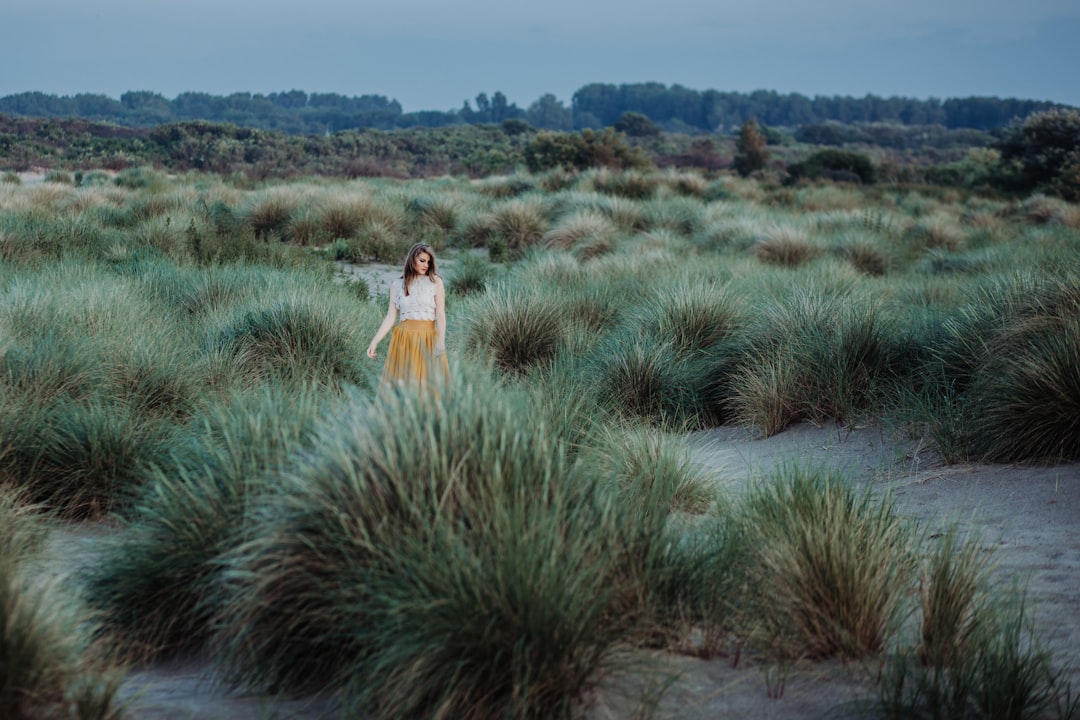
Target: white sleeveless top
x=419 y=304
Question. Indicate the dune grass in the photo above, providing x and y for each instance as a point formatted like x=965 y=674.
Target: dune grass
x=50 y=664
x=477 y=576
x=830 y=565
x=500 y=548
x=155 y=582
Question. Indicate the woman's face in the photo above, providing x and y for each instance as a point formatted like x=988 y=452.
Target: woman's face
x=421 y=263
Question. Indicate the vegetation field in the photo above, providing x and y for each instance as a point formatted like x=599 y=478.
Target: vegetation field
x=182 y=361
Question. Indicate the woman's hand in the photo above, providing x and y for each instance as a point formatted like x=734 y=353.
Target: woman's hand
x=371 y=351
x=440 y=350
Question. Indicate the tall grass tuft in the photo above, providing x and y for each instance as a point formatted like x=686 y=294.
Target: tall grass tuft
x=786 y=246
x=432 y=556
x=292 y=336
x=80 y=459
x=522 y=222
x=50 y=666
x=646 y=378
x=519 y=327
x=1024 y=400
x=693 y=316
x=811 y=355
x=154 y=584
x=586 y=227
x=470 y=275
x=1011 y=359
x=831 y=566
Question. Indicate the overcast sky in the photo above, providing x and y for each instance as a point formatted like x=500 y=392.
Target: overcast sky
x=435 y=54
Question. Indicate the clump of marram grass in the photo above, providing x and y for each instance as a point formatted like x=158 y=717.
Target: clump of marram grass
x=653 y=472
x=939 y=232
x=1008 y=362
x=522 y=222
x=786 y=246
x=868 y=258
x=580 y=228
x=810 y=355
x=80 y=459
x=684 y=216
x=50 y=664
x=830 y=566
x=646 y=378
x=693 y=317
x=269 y=213
x=482 y=575
x=517 y=326
x=977 y=656
x=1024 y=399
x=471 y=274
x=630 y=184
x=294 y=335
x=154 y=585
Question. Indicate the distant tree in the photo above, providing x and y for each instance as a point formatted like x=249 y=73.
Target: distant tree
x=636 y=125
x=1046 y=147
x=750 y=152
x=549 y=113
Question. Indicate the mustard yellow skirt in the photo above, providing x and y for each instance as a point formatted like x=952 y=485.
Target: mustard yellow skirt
x=411 y=357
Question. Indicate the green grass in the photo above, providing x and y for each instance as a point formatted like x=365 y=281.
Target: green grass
x=500 y=548
x=154 y=586
x=830 y=566
x=50 y=664
x=476 y=576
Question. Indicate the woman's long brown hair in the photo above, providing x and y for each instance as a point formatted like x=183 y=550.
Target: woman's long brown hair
x=410 y=273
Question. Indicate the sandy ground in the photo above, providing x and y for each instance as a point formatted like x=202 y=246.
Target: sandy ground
x=1029 y=516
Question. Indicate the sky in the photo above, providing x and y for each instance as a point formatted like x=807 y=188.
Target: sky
x=435 y=54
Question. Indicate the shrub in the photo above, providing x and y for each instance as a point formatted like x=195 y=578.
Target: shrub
x=750 y=152
x=589 y=148
x=832 y=164
x=1046 y=145
x=635 y=124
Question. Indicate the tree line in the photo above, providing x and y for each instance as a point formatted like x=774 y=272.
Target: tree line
x=673 y=108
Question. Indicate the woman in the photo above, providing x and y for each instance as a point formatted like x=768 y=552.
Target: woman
x=418 y=343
